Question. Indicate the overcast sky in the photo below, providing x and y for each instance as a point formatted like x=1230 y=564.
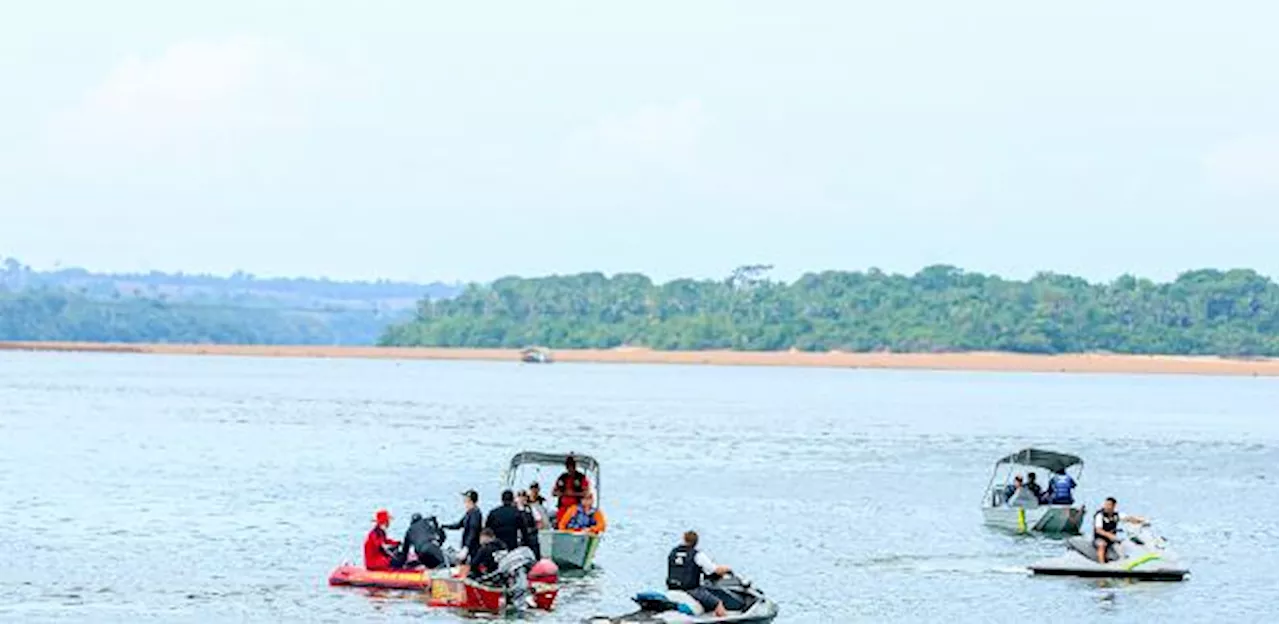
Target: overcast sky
x=460 y=140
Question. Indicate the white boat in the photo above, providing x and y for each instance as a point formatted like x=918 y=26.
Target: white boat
x=1022 y=513
x=569 y=549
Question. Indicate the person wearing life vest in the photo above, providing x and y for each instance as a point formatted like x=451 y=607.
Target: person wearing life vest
x=1060 y=486
x=686 y=568
x=1106 y=522
x=378 y=548
x=585 y=517
x=570 y=487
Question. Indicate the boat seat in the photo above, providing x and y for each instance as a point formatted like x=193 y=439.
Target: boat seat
x=1084 y=545
x=687 y=604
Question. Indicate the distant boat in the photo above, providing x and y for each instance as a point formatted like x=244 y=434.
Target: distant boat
x=535 y=355
x=1023 y=513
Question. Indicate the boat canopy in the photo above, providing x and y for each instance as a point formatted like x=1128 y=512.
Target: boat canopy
x=586 y=463
x=1040 y=458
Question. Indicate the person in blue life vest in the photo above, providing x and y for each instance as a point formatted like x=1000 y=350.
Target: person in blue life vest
x=1060 y=486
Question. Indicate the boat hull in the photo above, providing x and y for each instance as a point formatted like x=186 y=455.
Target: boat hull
x=1054 y=519
x=357 y=576
x=570 y=550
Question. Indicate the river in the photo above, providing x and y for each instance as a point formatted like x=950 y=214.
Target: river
x=172 y=488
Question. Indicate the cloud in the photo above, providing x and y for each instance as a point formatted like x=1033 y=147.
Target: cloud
x=193 y=102
x=661 y=137
x=1244 y=165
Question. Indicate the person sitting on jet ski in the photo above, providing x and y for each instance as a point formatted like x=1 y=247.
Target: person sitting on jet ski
x=584 y=517
x=1106 y=522
x=1060 y=486
x=378 y=548
x=484 y=560
x=424 y=537
x=686 y=568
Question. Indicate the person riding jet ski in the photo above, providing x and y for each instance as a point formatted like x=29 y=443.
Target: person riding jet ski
x=1106 y=522
x=686 y=569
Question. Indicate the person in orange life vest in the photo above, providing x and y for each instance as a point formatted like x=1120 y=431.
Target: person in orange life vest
x=570 y=487
x=378 y=548
x=585 y=518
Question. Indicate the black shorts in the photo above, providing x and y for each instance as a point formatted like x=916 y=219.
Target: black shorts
x=705 y=598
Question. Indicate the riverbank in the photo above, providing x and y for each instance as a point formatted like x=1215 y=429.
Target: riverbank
x=990 y=362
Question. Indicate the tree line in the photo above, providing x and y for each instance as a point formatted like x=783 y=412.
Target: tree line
x=939 y=309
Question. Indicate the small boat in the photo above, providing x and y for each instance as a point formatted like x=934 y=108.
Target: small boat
x=571 y=550
x=1142 y=555
x=535 y=355
x=1023 y=513
x=518 y=583
x=750 y=606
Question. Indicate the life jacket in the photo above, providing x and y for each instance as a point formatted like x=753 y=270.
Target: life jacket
x=682 y=568
x=581 y=519
x=1110 y=521
x=1060 y=489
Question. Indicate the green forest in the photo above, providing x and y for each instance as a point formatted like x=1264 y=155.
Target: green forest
x=938 y=309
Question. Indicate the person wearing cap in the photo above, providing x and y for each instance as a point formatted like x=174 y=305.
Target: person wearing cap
x=471 y=523
x=569 y=487
x=378 y=548
x=525 y=505
x=538 y=506
x=584 y=517
x=508 y=523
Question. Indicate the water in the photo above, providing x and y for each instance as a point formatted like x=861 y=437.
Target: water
x=208 y=489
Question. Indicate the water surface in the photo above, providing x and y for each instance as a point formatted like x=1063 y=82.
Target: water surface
x=171 y=488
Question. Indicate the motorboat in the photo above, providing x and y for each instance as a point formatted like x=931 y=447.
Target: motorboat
x=1140 y=554
x=744 y=602
x=1019 y=510
x=571 y=550
x=535 y=355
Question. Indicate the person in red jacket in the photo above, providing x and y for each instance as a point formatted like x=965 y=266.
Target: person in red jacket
x=378 y=548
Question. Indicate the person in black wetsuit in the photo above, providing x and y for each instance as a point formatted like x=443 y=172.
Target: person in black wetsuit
x=424 y=537
x=471 y=523
x=509 y=524
x=484 y=561
x=525 y=505
x=686 y=568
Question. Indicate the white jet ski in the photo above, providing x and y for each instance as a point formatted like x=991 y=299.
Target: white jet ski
x=1140 y=555
x=749 y=605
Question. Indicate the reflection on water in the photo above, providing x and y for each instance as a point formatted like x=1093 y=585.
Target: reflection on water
x=171 y=488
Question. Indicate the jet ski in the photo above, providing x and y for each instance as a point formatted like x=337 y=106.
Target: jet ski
x=674 y=606
x=1141 y=555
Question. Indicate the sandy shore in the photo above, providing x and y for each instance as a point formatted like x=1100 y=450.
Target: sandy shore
x=1006 y=362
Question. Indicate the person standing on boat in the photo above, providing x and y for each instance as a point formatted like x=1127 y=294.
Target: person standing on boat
x=378 y=548
x=471 y=523
x=686 y=568
x=525 y=505
x=1106 y=522
x=570 y=487
x=584 y=517
x=538 y=505
x=1060 y=486
x=509 y=523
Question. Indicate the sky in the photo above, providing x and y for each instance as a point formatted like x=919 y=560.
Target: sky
x=467 y=141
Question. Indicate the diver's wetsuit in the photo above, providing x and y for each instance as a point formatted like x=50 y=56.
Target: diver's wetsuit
x=471 y=524
x=424 y=536
x=509 y=524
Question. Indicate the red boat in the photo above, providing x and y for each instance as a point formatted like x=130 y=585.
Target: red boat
x=446 y=590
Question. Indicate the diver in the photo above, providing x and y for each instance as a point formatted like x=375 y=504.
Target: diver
x=424 y=536
x=508 y=523
x=569 y=487
x=584 y=517
x=1060 y=486
x=1106 y=522
x=484 y=560
x=686 y=568
x=378 y=548
x=471 y=523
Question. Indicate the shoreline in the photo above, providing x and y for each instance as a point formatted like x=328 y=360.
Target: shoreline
x=970 y=361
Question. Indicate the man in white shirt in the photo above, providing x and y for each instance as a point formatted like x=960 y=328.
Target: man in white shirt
x=686 y=567
x=1106 y=522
